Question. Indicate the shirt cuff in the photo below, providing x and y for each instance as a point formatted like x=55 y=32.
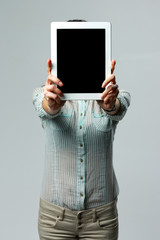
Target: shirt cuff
x=37 y=99
x=125 y=99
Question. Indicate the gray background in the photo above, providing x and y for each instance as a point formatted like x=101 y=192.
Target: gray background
x=25 y=48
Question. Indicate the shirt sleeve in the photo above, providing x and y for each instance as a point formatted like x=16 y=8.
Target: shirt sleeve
x=37 y=98
x=125 y=99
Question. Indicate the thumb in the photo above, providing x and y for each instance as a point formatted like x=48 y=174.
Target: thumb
x=49 y=66
x=113 y=63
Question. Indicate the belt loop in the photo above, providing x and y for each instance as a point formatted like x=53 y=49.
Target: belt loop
x=94 y=215
x=63 y=213
x=62 y=216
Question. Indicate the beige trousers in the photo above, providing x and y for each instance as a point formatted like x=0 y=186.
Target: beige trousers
x=59 y=223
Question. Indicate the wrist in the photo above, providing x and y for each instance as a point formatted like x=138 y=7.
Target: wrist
x=115 y=108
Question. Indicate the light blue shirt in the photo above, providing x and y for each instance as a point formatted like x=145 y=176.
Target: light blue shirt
x=79 y=172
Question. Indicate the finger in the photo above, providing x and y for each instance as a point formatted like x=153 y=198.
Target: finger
x=110 y=89
x=111 y=79
x=50 y=100
x=53 y=96
x=112 y=94
x=54 y=80
x=54 y=89
x=110 y=99
x=113 y=63
x=49 y=66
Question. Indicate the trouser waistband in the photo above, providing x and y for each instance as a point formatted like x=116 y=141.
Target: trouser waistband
x=89 y=214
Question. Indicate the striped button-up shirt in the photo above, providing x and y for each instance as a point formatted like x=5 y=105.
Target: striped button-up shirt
x=79 y=172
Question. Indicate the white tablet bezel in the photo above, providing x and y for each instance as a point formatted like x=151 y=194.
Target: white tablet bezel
x=70 y=25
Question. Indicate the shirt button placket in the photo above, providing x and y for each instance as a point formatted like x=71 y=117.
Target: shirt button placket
x=81 y=163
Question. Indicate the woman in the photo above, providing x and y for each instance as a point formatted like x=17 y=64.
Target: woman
x=79 y=189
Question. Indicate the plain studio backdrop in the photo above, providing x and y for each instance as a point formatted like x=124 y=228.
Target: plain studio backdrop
x=25 y=48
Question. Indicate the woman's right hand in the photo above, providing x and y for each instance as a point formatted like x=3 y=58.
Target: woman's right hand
x=51 y=91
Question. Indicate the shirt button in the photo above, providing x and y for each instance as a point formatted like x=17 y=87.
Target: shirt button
x=81 y=194
x=81 y=160
x=80 y=127
x=81 y=177
x=81 y=114
x=81 y=145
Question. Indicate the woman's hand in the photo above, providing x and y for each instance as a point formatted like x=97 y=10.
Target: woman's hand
x=109 y=95
x=51 y=92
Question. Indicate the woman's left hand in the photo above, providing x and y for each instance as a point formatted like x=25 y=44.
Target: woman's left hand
x=109 y=95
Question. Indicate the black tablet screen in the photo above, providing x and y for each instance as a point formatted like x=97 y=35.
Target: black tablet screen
x=81 y=59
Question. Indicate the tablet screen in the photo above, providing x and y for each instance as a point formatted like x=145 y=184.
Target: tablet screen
x=81 y=59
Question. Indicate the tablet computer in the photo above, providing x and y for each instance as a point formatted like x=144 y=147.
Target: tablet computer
x=81 y=57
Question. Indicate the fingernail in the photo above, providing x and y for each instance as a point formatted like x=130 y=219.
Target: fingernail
x=102 y=97
x=60 y=83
